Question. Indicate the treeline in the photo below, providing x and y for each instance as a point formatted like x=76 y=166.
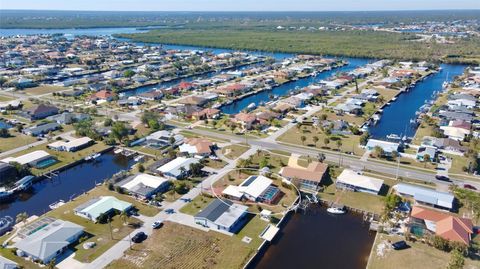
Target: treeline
x=369 y=44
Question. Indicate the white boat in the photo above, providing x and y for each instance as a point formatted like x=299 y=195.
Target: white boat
x=217 y=105
x=118 y=151
x=56 y=204
x=92 y=157
x=394 y=99
x=251 y=106
x=445 y=84
x=393 y=136
x=336 y=210
x=139 y=158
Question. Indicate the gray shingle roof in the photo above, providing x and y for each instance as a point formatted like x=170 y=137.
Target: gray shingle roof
x=214 y=210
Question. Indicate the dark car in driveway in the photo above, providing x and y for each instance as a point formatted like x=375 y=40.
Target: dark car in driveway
x=442 y=178
x=400 y=245
x=139 y=237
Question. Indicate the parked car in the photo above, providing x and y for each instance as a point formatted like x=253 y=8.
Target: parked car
x=442 y=178
x=139 y=237
x=157 y=224
x=470 y=187
x=400 y=245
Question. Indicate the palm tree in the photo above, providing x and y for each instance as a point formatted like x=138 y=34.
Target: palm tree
x=303 y=138
x=326 y=141
x=315 y=140
x=426 y=159
x=21 y=217
x=124 y=217
x=339 y=144
x=183 y=171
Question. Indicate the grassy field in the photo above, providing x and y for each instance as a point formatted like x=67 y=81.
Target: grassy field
x=350 y=143
x=178 y=246
x=44 y=89
x=197 y=204
x=419 y=255
x=5 y=98
x=234 y=151
x=15 y=140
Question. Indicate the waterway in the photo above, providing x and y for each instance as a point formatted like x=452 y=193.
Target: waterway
x=288 y=87
x=396 y=117
x=318 y=239
x=68 y=184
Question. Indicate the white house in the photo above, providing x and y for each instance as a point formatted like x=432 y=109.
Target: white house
x=222 y=215
x=101 y=205
x=352 y=180
x=174 y=168
x=145 y=185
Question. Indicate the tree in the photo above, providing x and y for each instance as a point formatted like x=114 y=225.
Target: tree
x=102 y=218
x=180 y=187
x=119 y=131
x=456 y=260
x=141 y=168
x=171 y=140
x=4 y=133
x=378 y=151
x=339 y=144
x=321 y=157
x=21 y=217
x=303 y=138
x=51 y=264
x=326 y=141
x=426 y=159
x=263 y=162
x=315 y=140
x=196 y=169
x=107 y=122
x=183 y=171
x=129 y=73
x=364 y=138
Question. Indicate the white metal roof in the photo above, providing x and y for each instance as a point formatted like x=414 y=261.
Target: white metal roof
x=350 y=177
x=173 y=167
x=28 y=158
x=269 y=232
x=427 y=195
x=257 y=186
x=145 y=179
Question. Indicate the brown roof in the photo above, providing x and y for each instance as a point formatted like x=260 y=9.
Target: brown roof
x=193 y=100
x=245 y=117
x=314 y=172
x=203 y=145
x=447 y=226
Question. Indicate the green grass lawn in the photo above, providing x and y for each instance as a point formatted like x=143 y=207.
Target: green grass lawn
x=178 y=246
x=350 y=143
x=419 y=255
x=44 y=89
x=196 y=205
x=234 y=151
x=15 y=140
x=4 y=98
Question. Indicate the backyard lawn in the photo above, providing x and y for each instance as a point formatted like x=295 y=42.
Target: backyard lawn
x=418 y=254
x=16 y=140
x=234 y=151
x=44 y=89
x=178 y=246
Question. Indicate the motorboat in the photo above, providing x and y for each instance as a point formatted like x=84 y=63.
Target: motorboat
x=92 y=157
x=336 y=210
x=139 y=158
x=251 y=106
x=57 y=204
x=118 y=151
x=393 y=137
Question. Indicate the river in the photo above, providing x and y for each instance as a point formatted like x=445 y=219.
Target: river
x=396 y=117
x=318 y=239
x=69 y=183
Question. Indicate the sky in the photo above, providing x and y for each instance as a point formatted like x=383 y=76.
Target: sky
x=240 y=5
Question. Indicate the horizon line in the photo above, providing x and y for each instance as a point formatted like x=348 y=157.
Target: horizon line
x=232 y=11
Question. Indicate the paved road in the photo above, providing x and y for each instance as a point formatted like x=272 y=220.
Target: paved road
x=119 y=248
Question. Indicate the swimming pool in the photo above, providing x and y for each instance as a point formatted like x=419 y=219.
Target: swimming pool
x=416 y=230
x=46 y=163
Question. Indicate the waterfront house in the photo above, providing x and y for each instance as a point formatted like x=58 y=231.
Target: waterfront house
x=41 y=111
x=32 y=159
x=455 y=133
x=193 y=100
x=144 y=185
x=7 y=264
x=41 y=129
x=232 y=90
x=354 y=181
x=72 y=145
x=8 y=173
x=256 y=189
x=448 y=226
x=197 y=146
x=101 y=205
x=222 y=215
x=308 y=178
x=68 y=118
x=151 y=96
x=425 y=196
x=177 y=168
x=387 y=147
x=45 y=239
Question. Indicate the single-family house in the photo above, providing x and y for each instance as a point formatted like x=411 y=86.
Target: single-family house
x=41 y=129
x=425 y=150
x=222 y=215
x=145 y=185
x=177 y=168
x=255 y=189
x=41 y=111
x=72 y=145
x=47 y=238
x=197 y=146
x=447 y=226
x=101 y=205
x=308 y=178
x=387 y=147
x=425 y=196
x=33 y=159
x=354 y=181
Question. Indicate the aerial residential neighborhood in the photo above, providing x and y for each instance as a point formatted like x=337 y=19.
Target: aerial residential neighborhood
x=132 y=136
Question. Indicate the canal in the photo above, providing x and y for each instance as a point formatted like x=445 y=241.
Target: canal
x=396 y=117
x=288 y=87
x=318 y=239
x=69 y=183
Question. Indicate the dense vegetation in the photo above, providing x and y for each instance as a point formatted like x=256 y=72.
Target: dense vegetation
x=338 y=43
x=82 y=19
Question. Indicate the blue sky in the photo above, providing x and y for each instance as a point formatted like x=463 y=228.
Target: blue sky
x=239 y=5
